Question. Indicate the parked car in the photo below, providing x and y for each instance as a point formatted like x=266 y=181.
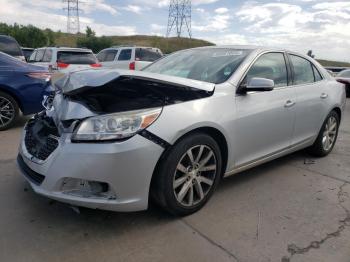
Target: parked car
x=336 y=69
x=64 y=59
x=9 y=45
x=344 y=77
x=128 y=57
x=27 y=52
x=172 y=131
x=22 y=87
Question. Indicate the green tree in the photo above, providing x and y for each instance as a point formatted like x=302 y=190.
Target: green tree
x=89 y=32
x=92 y=42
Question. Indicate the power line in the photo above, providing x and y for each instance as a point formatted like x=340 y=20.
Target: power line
x=73 y=10
x=179 y=17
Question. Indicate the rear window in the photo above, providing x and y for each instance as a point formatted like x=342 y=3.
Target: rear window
x=71 y=57
x=10 y=46
x=147 y=54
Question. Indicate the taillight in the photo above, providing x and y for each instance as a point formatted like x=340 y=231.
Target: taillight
x=62 y=65
x=40 y=75
x=132 y=66
x=95 y=65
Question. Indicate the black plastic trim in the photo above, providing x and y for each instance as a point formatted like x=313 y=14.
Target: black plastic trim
x=33 y=176
x=155 y=139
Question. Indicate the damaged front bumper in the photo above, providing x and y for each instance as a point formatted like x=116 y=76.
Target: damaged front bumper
x=123 y=170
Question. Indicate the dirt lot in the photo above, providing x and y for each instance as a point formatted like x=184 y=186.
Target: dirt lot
x=293 y=209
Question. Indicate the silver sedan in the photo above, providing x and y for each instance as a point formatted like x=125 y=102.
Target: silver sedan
x=115 y=140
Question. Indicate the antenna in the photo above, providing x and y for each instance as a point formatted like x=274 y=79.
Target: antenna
x=179 y=16
x=73 y=24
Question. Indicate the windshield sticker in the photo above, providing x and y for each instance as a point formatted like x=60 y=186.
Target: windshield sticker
x=228 y=53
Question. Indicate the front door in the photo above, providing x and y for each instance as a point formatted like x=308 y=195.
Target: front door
x=265 y=120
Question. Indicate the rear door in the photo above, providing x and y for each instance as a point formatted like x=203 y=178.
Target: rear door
x=124 y=58
x=265 y=120
x=146 y=56
x=311 y=100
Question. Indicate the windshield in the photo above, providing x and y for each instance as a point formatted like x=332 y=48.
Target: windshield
x=213 y=65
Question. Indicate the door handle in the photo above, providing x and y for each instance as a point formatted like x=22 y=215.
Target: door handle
x=324 y=95
x=289 y=103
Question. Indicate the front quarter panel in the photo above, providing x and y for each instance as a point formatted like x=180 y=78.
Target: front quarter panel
x=217 y=111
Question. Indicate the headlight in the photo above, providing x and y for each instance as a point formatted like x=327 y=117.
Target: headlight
x=115 y=126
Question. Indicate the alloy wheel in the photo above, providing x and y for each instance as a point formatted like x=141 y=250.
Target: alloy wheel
x=194 y=175
x=330 y=133
x=7 y=111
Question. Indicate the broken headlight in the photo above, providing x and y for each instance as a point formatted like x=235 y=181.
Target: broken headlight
x=115 y=126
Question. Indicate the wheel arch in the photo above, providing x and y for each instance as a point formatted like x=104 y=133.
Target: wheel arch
x=338 y=111
x=216 y=134
x=8 y=91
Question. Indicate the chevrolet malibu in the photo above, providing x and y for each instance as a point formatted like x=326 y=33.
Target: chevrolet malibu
x=114 y=139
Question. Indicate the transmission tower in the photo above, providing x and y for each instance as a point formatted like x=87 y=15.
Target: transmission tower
x=179 y=17
x=73 y=24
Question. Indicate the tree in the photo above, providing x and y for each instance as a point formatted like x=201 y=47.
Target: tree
x=92 y=42
x=89 y=32
x=28 y=36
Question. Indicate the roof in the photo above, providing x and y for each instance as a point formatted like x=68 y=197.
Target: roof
x=67 y=48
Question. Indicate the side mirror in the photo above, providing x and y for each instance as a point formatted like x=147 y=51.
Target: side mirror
x=260 y=84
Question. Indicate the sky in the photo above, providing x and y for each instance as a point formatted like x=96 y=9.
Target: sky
x=299 y=25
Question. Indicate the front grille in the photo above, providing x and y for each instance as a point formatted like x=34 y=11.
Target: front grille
x=33 y=176
x=41 y=137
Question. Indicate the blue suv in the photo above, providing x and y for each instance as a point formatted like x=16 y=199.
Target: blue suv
x=22 y=87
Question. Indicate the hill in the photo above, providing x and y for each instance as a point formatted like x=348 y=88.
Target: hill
x=333 y=63
x=167 y=45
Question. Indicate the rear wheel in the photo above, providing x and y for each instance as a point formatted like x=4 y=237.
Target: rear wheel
x=8 y=111
x=188 y=175
x=327 y=137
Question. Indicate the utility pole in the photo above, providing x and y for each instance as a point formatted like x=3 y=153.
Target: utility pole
x=179 y=17
x=73 y=24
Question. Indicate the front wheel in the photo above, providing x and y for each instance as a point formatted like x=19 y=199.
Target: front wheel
x=8 y=111
x=188 y=175
x=327 y=137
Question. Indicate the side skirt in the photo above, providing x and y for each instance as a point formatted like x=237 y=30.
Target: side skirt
x=301 y=145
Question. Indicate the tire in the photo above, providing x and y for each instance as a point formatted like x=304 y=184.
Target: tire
x=201 y=178
x=9 y=111
x=320 y=148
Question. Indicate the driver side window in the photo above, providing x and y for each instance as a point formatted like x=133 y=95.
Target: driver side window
x=271 y=66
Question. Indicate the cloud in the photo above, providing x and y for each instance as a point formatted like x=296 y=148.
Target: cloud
x=134 y=8
x=221 y=10
x=17 y=12
x=165 y=3
x=89 y=6
x=320 y=27
x=218 y=22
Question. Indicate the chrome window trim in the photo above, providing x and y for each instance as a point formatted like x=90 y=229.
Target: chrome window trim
x=312 y=64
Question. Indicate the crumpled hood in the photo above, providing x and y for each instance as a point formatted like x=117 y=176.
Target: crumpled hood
x=72 y=82
x=94 y=92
